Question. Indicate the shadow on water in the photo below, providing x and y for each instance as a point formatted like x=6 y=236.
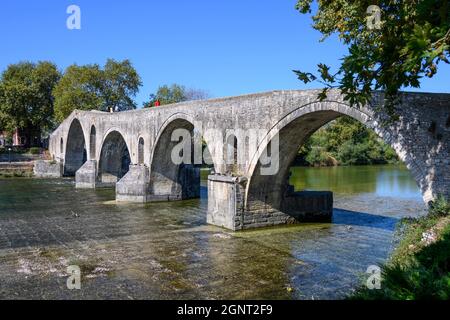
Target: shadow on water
x=203 y=192
x=353 y=218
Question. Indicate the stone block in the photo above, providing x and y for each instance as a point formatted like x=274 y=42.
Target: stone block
x=309 y=206
x=86 y=176
x=134 y=186
x=48 y=169
x=222 y=202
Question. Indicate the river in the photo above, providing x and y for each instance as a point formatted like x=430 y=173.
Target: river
x=166 y=250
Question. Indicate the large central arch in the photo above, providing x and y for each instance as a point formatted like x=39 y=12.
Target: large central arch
x=115 y=160
x=75 y=155
x=268 y=193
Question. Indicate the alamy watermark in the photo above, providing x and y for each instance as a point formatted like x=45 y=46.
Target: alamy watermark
x=374 y=280
x=231 y=147
x=374 y=17
x=74 y=279
x=73 y=22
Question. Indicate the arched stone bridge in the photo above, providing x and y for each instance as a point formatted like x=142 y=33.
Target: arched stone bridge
x=133 y=150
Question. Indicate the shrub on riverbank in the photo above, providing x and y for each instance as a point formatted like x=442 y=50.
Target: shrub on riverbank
x=34 y=150
x=420 y=266
x=20 y=150
x=16 y=174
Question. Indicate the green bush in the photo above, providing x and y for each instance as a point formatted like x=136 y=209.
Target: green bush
x=317 y=156
x=424 y=275
x=440 y=207
x=35 y=150
x=347 y=141
x=418 y=270
x=354 y=154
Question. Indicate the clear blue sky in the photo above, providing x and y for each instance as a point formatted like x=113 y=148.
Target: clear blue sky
x=227 y=47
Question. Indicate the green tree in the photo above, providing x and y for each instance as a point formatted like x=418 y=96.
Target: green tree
x=345 y=141
x=121 y=83
x=90 y=87
x=26 y=100
x=79 y=88
x=409 y=43
x=175 y=93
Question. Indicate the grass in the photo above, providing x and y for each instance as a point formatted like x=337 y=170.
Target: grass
x=51 y=254
x=34 y=150
x=86 y=267
x=419 y=268
x=89 y=267
x=15 y=174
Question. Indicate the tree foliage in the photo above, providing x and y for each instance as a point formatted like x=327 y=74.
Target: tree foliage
x=26 y=99
x=79 y=88
x=175 y=93
x=412 y=39
x=121 y=83
x=90 y=87
x=345 y=141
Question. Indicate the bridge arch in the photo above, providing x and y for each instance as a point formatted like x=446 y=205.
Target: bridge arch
x=61 y=147
x=93 y=142
x=114 y=159
x=292 y=132
x=75 y=150
x=170 y=180
x=230 y=152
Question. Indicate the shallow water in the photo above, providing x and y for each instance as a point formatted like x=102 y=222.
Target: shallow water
x=166 y=250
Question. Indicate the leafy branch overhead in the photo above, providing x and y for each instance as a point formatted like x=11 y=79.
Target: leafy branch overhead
x=411 y=40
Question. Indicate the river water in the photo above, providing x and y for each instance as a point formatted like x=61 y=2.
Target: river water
x=166 y=250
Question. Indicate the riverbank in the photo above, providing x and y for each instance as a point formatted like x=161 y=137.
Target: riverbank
x=20 y=163
x=23 y=155
x=16 y=169
x=420 y=266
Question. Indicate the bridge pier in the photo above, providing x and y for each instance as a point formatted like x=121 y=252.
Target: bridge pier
x=86 y=176
x=227 y=208
x=225 y=196
x=134 y=186
x=182 y=185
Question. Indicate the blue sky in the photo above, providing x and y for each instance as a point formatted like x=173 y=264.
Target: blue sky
x=227 y=48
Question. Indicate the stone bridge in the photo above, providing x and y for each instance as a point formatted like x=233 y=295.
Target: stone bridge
x=134 y=150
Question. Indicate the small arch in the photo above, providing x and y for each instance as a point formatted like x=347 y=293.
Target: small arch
x=231 y=153
x=92 y=142
x=61 y=146
x=115 y=160
x=432 y=127
x=141 y=145
x=75 y=151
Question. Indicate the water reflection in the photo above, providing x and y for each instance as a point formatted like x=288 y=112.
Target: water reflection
x=383 y=181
